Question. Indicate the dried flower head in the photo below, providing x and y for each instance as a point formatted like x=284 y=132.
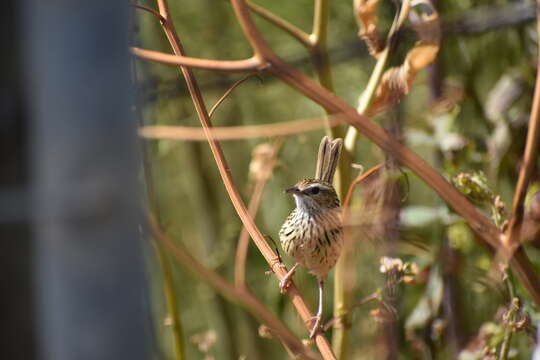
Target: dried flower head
x=406 y=270
x=265 y=332
x=204 y=341
x=263 y=157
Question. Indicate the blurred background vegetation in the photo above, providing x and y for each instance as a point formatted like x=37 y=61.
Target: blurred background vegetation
x=467 y=112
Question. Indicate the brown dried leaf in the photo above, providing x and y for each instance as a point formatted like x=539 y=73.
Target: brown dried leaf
x=397 y=81
x=366 y=17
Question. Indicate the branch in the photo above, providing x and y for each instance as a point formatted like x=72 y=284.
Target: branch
x=228 y=92
x=512 y=238
x=237 y=132
x=292 y=30
x=358 y=180
x=252 y=63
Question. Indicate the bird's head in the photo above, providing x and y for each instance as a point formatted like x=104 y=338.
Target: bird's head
x=314 y=195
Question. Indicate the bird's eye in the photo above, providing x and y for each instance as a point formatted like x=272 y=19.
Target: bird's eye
x=315 y=190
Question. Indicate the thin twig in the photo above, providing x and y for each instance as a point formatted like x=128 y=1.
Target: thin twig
x=237 y=132
x=292 y=30
x=512 y=238
x=250 y=302
x=357 y=181
x=228 y=92
x=250 y=64
x=151 y=11
x=230 y=186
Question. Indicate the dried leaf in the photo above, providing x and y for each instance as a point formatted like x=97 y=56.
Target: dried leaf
x=397 y=81
x=366 y=17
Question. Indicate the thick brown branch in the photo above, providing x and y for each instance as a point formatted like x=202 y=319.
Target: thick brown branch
x=250 y=64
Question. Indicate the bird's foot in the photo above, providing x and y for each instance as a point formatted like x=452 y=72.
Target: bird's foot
x=316 y=328
x=287 y=279
x=285 y=283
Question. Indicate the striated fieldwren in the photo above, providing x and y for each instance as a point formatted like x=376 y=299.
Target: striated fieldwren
x=312 y=234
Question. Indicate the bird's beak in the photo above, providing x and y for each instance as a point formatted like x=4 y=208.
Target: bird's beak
x=292 y=190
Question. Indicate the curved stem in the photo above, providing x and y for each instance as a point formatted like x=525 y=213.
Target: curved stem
x=150 y=11
x=252 y=63
x=292 y=30
x=228 y=92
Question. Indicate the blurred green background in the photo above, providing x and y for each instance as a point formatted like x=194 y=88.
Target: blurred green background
x=468 y=112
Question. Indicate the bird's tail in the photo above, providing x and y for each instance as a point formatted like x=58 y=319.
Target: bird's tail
x=328 y=158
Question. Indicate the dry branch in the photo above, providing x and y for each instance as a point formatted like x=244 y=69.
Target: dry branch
x=238 y=132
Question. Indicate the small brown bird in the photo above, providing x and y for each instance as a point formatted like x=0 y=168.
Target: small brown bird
x=312 y=234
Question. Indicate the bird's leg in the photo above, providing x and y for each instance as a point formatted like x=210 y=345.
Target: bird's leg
x=318 y=318
x=286 y=281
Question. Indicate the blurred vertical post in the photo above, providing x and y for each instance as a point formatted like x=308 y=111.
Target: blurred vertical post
x=89 y=277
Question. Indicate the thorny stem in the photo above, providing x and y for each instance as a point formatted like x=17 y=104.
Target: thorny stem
x=512 y=238
x=228 y=181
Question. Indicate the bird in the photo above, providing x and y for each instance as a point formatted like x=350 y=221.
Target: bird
x=312 y=234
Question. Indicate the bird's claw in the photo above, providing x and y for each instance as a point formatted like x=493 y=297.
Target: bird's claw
x=284 y=284
x=317 y=322
x=287 y=280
